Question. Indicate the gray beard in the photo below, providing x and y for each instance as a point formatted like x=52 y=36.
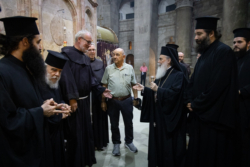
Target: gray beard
x=161 y=70
x=50 y=83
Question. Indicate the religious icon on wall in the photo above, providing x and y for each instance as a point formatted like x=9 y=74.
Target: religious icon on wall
x=104 y=51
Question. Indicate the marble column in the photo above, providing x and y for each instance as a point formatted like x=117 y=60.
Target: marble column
x=183 y=29
x=234 y=16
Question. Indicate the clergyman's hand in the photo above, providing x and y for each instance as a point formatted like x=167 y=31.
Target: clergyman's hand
x=73 y=104
x=64 y=107
x=104 y=106
x=107 y=93
x=138 y=87
x=153 y=86
x=135 y=102
x=48 y=109
x=189 y=107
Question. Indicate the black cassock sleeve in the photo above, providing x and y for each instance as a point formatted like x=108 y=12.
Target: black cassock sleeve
x=170 y=95
x=19 y=126
x=148 y=104
x=217 y=104
x=219 y=82
x=170 y=101
x=245 y=92
x=97 y=88
x=68 y=84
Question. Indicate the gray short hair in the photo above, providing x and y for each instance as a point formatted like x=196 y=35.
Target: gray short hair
x=81 y=33
x=93 y=44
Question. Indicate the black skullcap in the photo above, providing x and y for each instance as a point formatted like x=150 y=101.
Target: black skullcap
x=242 y=32
x=208 y=22
x=56 y=59
x=20 y=25
x=174 y=46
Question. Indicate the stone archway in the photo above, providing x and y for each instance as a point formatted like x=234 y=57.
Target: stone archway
x=130 y=59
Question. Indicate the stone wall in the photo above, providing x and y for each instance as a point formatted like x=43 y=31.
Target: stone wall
x=108 y=14
x=54 y=19
x=9 y=8
x=53 y=16
x=166 y=29
x=126 y=34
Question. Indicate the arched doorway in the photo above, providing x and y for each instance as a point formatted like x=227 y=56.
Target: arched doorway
x=130 y=59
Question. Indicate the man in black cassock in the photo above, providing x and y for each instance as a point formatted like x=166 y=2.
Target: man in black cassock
x=21 y=112
x=212 y=100
x=241 y=49
x=183 y=67
x=99 y=117
x=181 y=60
x=76 y=83
x=163 y=107
x=53 y=126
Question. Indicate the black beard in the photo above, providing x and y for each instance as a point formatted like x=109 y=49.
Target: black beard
x=35 y=63
x=203 y=45
x=241 y=53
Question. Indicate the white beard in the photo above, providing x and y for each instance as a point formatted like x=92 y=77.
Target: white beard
x=161 y=70
x=50 y=83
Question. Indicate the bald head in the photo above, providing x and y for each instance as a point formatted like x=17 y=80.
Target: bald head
x=118 y=57
x=120 y=50
x=181 y=56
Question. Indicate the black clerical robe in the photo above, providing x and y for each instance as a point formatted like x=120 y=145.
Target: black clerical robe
x=77 y=81
x=167 y=120
x=212 y=92
x=21 y=116
x=244 y=104
x=53 y=130
x=99 y=117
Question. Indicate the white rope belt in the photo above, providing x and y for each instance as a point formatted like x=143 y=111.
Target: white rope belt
x=80 y=98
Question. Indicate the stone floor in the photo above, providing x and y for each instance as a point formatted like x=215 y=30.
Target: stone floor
x=127 y=159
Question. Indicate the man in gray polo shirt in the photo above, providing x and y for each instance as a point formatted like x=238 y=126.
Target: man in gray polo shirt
x=119 y=78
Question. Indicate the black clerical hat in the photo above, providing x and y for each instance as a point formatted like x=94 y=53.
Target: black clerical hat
x=56 y=59
x=20 y=25
x=209 y=23
x=173 y=46
x=173 y=54
x=242 y=32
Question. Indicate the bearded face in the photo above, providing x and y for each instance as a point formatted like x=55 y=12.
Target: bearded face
x=35 y=63
x=52 y=81
x=53 y=76
x=240 y=46
x=202 y=44
x=161 y=70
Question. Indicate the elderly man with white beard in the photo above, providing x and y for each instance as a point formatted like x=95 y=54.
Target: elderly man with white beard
x=163 y=109
x=53 y=126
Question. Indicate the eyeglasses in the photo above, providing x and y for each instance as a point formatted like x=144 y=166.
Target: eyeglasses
x=91 y=50
x=89 y=42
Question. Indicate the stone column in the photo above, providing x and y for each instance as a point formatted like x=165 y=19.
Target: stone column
x=145 y=36
x=183 y=29
x=142 y=23
x=234 y=16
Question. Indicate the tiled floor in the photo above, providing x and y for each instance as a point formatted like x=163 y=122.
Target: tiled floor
x=127 y=159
